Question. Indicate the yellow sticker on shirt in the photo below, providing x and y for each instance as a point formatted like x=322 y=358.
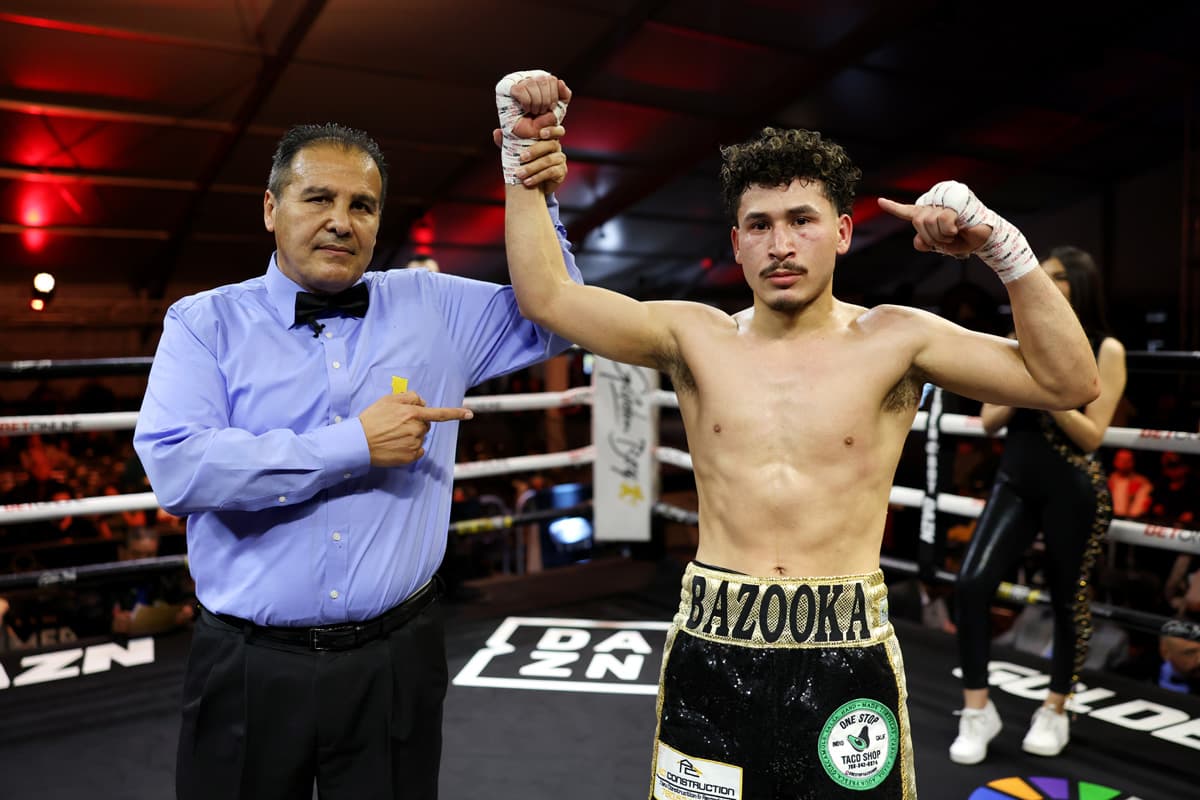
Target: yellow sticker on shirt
x=399 y=385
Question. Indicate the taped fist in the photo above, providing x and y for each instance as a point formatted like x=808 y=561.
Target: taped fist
x=950 y=219
x=528 y=103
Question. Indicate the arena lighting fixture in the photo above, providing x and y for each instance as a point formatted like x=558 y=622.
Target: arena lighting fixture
x=422 y=234
x=43 y=291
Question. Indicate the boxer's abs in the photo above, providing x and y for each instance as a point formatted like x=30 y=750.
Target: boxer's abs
x=773 y=519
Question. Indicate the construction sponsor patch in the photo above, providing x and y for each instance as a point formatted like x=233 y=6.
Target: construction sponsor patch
x=678 y=776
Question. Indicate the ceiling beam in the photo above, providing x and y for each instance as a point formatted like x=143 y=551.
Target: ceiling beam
x=127 y=34
x=99 y=113
x=63 y=175
x=282 y=29
x=88 y=231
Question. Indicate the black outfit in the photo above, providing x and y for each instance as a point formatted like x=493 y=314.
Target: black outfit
x=782 y=687
x=363 y=704
x=1044 y=482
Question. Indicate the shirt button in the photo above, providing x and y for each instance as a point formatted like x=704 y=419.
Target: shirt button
x=337 y=537
x=337 y=418
x=282 y=498
x=328 y=335
x=337 y=365
x=345 y=474
x=334 y=594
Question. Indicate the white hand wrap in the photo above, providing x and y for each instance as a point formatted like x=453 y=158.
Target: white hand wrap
x=511 y=146
x=1006 y=250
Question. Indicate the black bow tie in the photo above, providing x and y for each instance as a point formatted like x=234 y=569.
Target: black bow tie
x=309 y=307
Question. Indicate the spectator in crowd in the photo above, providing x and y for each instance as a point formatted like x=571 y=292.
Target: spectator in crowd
x=43 y=480
x=1175 y=499
x=927 y=603
x=423 y=262
x=41 y=486
x=72 y=528
x=1191 y=597
x=1131 y=491
x=157 y=604
x=1180 y=671
x=1182 y=586
x=526 y=489
x=118 y=524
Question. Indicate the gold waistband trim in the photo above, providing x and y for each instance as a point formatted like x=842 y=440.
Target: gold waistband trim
x=837 y=611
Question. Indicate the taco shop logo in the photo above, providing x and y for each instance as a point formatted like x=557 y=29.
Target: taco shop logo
x=858 y=744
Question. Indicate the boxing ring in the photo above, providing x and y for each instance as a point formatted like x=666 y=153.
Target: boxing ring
x=588 y=728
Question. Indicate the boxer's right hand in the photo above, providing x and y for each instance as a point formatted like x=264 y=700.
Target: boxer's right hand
x=527 y=102
x=544 y=100
x=395 y=427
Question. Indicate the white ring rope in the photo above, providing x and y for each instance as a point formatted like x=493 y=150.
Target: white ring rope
x=111 y=504
x=126 y=420
x=1126 y=531
x=664 y=398
x=505 y=466
x=68 y=423
x=579 y=396
x=1133 y=438
x=674 y=457
x=81 y=507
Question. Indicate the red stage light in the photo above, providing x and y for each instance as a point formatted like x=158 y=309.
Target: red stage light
x=33 y=239
x=34 y=214
x=422 y=232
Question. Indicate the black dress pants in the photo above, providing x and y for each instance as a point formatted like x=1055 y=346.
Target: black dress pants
x=264 y=720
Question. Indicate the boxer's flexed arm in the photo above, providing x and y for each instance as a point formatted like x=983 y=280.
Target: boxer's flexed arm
x=1051 y=364
x=605 y=322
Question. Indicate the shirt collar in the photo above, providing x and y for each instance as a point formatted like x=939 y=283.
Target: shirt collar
x=282 y=291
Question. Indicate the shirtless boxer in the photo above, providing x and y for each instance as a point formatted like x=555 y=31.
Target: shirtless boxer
x=782 y=676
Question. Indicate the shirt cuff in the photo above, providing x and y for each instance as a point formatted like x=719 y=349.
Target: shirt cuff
x=344 y=448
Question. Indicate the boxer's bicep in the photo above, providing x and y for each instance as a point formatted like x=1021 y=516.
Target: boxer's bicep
x=978 y=365
x=613 y=325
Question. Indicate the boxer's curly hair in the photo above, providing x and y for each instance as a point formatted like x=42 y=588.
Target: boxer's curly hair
x=777 y=157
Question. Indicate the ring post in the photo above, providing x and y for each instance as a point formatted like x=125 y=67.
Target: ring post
x=625 y=433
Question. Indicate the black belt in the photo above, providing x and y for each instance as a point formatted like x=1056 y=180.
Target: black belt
x=343 y=636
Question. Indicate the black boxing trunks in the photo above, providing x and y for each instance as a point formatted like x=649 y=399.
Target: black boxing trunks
x=774 y=688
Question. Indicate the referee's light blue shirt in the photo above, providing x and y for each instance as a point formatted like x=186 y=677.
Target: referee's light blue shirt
x=249 y=428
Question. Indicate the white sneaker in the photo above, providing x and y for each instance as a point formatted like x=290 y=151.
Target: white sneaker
x=1048 y=734
x=976 y=727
